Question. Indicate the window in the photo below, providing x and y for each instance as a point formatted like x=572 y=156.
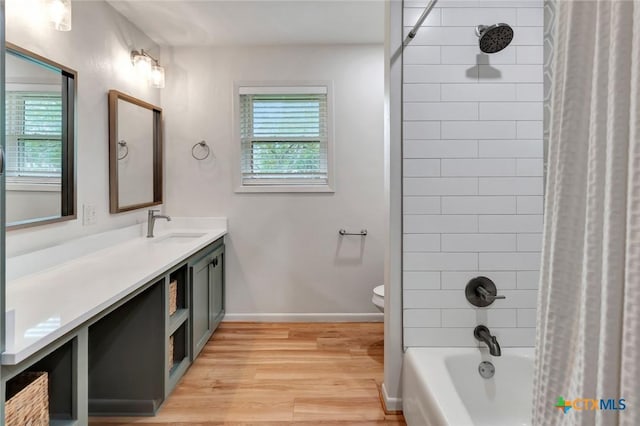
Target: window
x=34 y=134
x=284 y=138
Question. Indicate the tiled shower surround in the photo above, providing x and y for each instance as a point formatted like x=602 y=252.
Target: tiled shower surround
x=472 y=172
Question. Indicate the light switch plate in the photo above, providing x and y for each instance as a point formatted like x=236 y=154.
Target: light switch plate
x=89 y=214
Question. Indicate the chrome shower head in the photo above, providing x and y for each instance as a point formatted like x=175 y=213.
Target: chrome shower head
x=494 y=38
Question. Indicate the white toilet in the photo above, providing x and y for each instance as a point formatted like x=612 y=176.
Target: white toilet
x=378 y=297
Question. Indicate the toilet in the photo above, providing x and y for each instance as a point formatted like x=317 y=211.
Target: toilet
x=378 y=297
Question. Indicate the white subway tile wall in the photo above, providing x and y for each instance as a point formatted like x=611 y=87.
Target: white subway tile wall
x=473 y=186
x=451 y=280
x=529 y=92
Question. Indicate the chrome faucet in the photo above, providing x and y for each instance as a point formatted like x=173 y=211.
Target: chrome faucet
x=151 y=221
x=483 y=334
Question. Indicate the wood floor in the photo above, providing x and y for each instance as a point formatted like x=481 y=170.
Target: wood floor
x=280 y=374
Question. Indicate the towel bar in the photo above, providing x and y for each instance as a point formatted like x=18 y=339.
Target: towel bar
x=362 y=232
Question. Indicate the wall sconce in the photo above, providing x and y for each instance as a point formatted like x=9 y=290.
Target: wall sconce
x=148 y=67
x=141 y=63
x=156 y=78
x=59 y=14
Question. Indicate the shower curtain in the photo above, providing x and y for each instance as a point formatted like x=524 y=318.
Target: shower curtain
x=588 y=337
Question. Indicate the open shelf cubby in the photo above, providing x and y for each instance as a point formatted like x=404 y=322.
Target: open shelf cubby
x=178 y=354
x=179 y=279
x=178 y=349
x=59 y=367
x=126 y=357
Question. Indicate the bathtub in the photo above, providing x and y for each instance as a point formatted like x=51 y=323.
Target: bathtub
x=442 y=386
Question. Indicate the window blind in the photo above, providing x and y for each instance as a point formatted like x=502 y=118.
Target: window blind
x=34 y=134
x=284 y=138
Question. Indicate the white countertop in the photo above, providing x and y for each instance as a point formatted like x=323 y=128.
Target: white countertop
x=45 y=305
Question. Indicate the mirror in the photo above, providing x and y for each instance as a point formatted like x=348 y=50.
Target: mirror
x=135 y=153
x=39 y=129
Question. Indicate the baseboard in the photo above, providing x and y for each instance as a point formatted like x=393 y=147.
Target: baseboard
x=391 y=405
x=123 y=407
x=318 y=317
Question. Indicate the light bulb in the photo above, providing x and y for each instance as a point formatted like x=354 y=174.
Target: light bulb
x=156 y=78
x=142 y=65
x=59 y=14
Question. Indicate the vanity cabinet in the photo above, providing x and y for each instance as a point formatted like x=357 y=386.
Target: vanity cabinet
x=207 y=292
x=217 y=278
x=126 y=359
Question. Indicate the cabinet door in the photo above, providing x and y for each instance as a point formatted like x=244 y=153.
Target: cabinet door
x=201 y=304
x=217 y=287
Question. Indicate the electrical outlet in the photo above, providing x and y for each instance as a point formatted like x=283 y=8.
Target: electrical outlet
x=89 y=214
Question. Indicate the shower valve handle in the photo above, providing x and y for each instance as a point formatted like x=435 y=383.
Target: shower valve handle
x=487 y=296
x=481 y=292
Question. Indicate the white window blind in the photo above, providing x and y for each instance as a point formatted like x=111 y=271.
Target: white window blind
x=284 y=136
x=34 y=134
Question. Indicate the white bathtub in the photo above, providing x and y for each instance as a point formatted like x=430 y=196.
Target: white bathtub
x=442 y=386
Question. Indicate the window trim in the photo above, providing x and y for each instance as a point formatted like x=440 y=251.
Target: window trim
x=279 y=87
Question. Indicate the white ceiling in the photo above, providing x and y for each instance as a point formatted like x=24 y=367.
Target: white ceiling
x=256 y=22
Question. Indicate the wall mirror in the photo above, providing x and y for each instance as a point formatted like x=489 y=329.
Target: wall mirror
x=135 y=153
x=40 y=132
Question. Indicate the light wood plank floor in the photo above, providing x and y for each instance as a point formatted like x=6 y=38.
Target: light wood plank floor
x=280 y=374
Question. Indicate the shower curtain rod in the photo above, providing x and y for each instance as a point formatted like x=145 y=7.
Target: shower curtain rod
x=421 y=19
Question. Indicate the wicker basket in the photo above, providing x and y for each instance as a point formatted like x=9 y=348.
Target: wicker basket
x=170 y=352
x=27 y=400
x=173 y=297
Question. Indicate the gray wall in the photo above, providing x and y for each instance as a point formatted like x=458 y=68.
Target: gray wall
x=98 y=48
x=285 y=259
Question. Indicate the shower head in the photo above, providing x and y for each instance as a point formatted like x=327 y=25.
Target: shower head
x=494 y=38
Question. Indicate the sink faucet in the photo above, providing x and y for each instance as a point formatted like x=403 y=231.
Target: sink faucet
x=151 y=221
x=483 y=334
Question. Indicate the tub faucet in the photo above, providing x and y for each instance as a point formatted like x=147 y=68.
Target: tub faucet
x=151 y=221
x=483 y=334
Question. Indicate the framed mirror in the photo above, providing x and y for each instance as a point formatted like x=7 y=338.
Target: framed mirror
x=135 y=153
x=40 y=126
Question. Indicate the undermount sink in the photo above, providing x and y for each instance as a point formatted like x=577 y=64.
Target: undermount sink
x=178 y=237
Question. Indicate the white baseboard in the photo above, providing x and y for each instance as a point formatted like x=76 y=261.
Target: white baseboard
x=391 y=404
x=318 y=317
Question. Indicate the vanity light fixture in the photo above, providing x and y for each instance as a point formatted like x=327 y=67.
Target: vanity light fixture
x=156 y=78
x=141 y=63
x=148 y=67
x=59 y=14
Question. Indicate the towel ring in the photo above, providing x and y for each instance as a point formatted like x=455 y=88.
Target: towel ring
x=123 y=144
x=203 y=144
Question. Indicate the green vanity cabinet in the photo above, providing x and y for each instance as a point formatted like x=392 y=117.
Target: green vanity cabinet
x=202 y=327
x=207 y=294
x=217 y=286
x=127 y=359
